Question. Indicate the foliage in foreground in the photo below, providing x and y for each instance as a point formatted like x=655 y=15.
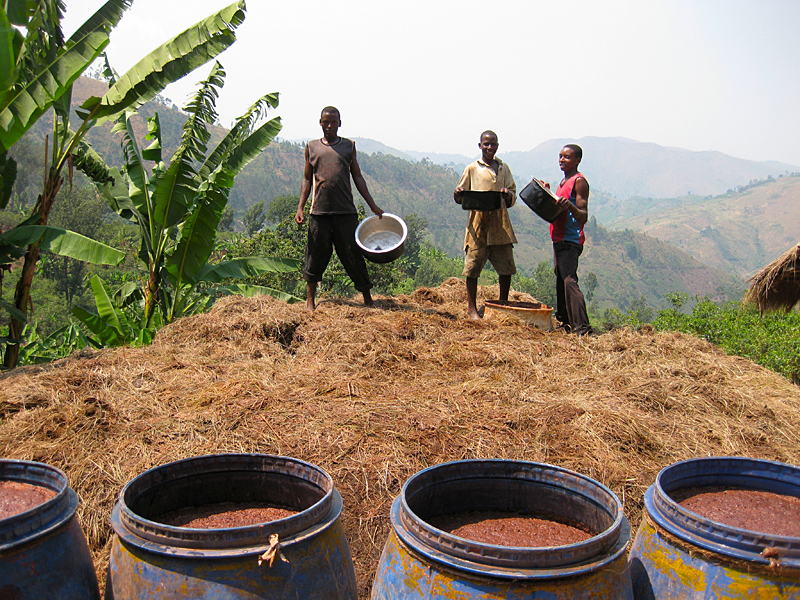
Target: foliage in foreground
x=177 y=208
x=771 y=340
x=37 y=70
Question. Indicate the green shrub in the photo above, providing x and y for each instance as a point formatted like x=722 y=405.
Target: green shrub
x=772 y=340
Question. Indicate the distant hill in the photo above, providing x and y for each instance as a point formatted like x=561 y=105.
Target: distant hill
x=628 y=168
x=625 y=168
x=738 y=232
x=368 y=146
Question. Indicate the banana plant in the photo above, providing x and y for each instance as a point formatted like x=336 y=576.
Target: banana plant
x=111 y=324
x=177 y=207
x=62 y=342
x=37 y=70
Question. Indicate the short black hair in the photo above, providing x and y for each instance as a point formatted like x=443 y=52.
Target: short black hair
x=576 y=149
x=331 y=110
x=488 y=132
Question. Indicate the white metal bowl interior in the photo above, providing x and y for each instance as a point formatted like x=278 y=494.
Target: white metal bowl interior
x=372 y=225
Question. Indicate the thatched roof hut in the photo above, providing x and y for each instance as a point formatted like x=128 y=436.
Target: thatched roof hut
x=777 y=286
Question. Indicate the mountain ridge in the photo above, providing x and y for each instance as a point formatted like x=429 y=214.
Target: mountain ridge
x=622 y=166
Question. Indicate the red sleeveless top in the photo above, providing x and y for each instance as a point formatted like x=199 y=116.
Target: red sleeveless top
x=567 y=228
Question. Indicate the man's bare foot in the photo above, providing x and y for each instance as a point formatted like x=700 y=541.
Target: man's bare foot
x=368 y=299
x=311 y=295
x=474 y=315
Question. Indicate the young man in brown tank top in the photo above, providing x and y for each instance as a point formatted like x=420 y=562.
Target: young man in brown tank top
x=330 y=162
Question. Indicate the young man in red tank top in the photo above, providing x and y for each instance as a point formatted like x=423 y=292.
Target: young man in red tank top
x=567 y=235
x=330 y=162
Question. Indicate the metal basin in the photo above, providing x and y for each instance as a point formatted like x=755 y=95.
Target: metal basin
x=473 y=200
x=382 y=240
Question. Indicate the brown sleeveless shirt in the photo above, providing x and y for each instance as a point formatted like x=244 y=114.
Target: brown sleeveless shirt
x=331 y=165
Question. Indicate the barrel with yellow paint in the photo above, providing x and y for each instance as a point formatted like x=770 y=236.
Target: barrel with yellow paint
x=680 y=554
x=420 y=561
x=151 y=560
x=43 y=552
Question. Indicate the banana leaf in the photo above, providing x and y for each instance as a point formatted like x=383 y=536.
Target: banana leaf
x=172 y=60
x=10 y=253
x=106 y=309
x=106 y=335
x=238 y=133
x=13 y=311
x=196 y=237
x=176 y=192
x=247 y=266
x=22 y=108
x=116 y=194
x=62 y=242
x=128 y=293
x=138 y=179
x=153 y=151
x=254 y=145
x=17 y=12
x=248 y=291
x=7 y=55
x=198 y=232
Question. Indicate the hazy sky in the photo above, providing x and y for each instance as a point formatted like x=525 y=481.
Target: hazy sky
x=431 y=75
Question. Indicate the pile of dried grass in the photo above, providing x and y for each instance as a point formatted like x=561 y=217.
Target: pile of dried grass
x=777 y=286
x=375 y=395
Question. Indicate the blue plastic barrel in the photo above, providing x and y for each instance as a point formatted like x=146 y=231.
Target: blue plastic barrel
x=152 y=560
x=420 y=561
x=43 y=552
x=680 y=554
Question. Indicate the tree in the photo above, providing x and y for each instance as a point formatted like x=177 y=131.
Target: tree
x=639 y=311
x=541 y=284
x=589 y=285
x=78 y=209
x=37 y=70
x=436 y=266
x=226 y=220
x=177 y=208
x=417 y=229
x=282 y=207
x=253 y=219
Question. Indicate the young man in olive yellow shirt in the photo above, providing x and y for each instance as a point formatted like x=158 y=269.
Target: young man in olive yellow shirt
x=489 y=234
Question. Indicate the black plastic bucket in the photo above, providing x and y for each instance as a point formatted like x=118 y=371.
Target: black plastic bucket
x=678 y=553
x=43 y=552
x=152 y=560
x=420 y=561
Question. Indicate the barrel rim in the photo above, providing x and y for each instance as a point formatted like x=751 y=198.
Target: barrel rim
x=41 y=519
x=508 y=560
x=734 y=542
x=249 y=548
x=169 y=536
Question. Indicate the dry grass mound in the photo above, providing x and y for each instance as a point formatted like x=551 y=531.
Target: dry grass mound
x=375 y=395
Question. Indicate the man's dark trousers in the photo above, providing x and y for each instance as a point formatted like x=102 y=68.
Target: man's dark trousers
x=570 y=303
